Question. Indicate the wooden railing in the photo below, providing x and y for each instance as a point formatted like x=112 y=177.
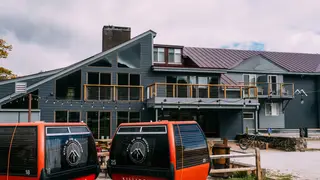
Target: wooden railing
x=96 y=92
x=273 y=89
x=256 y=168
x=177 y=90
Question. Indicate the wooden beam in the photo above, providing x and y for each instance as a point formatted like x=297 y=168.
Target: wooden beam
x=232 y=156
x=258 y=164
x=213 y=171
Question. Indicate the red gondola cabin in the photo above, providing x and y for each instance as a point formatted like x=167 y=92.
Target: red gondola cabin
x=47 y=151
x=165 y=150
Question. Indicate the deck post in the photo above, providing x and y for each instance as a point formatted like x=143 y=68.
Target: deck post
x=156 y=114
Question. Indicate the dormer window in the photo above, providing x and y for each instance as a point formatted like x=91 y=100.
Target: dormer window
x=167 y=54
x=158 y=55
x=174 y=56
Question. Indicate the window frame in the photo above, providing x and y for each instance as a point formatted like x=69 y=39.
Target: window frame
x=156 y=51
x=180 y=140
x=129 y=85
x=176 y=52
x=99 y=85
x=128 y=119
x=251 y=113
x=34 y=174
x=277 y=108
x=68 y=111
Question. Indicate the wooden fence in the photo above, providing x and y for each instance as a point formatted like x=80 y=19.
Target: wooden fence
x=256 y=168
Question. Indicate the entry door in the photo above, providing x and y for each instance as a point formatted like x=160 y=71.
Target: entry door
x=273 y=84
x=249 y=80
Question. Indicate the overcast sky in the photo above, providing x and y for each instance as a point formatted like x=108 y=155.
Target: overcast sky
x=56 y=33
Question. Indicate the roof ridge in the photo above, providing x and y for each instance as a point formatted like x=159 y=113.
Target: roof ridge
x=266 y=51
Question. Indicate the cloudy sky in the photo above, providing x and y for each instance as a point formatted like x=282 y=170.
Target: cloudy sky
x=52 y=34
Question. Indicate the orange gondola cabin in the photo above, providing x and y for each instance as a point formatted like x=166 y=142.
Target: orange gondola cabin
x=47 y=151
x=164 y=150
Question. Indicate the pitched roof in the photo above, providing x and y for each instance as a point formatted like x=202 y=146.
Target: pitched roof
x=30 y=76
x=228 y=58
x=79 y=64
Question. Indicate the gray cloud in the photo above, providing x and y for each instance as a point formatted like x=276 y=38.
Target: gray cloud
x=42 y=33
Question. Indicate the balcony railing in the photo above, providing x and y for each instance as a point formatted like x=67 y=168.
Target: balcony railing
x=273 y=89
x=176 y=90
x=96 y=92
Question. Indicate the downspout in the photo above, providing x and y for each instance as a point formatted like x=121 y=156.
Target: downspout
x=256 y=122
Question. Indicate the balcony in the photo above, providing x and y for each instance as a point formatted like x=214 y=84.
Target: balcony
x=201 y=94
x=96 y=92
x=274 y=90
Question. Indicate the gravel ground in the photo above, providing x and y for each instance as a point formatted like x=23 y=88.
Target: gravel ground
x=302 y=165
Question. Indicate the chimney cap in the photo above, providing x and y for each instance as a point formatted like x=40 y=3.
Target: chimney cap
x=121 y=28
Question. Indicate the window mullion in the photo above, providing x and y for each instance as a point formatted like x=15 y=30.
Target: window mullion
x=99 y=86
x=67 y=116
x=98 y=124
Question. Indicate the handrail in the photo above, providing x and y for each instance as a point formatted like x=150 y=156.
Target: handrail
x=250 y=91
x=113 y=91
x=257 y=167
x=280 y=89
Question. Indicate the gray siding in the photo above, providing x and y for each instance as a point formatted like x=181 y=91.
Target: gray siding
x=259 y=64
x=9 y=88
x=47 y=109
x=230 y=123
x=303 y=115
x=271 y=121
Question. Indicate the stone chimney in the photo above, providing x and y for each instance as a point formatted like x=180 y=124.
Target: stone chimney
x=114 y=35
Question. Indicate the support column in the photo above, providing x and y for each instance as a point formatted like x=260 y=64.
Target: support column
x=256 y=119
x=156 y=114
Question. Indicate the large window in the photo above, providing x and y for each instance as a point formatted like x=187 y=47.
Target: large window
x=67 y=116
x=60 y=156
x=191 y=146
x=98 y=87
x=99 y=122
x=24 y=151
x=127 y=117
x=130 y=57
x=199 y=88
x=272 y=109
x=69 y=87
x=129 y=87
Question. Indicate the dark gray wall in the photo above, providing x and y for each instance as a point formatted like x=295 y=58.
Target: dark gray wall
x=303 y=115
x=230 y=123
x=9 y=88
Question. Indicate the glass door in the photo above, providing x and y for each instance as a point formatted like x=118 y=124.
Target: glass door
x=273 y=85
x=249 y=80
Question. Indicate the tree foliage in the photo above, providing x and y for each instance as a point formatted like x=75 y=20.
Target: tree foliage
x=4 y=52
x=4 y=49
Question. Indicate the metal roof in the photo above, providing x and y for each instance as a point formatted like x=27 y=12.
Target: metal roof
x=228 y=58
